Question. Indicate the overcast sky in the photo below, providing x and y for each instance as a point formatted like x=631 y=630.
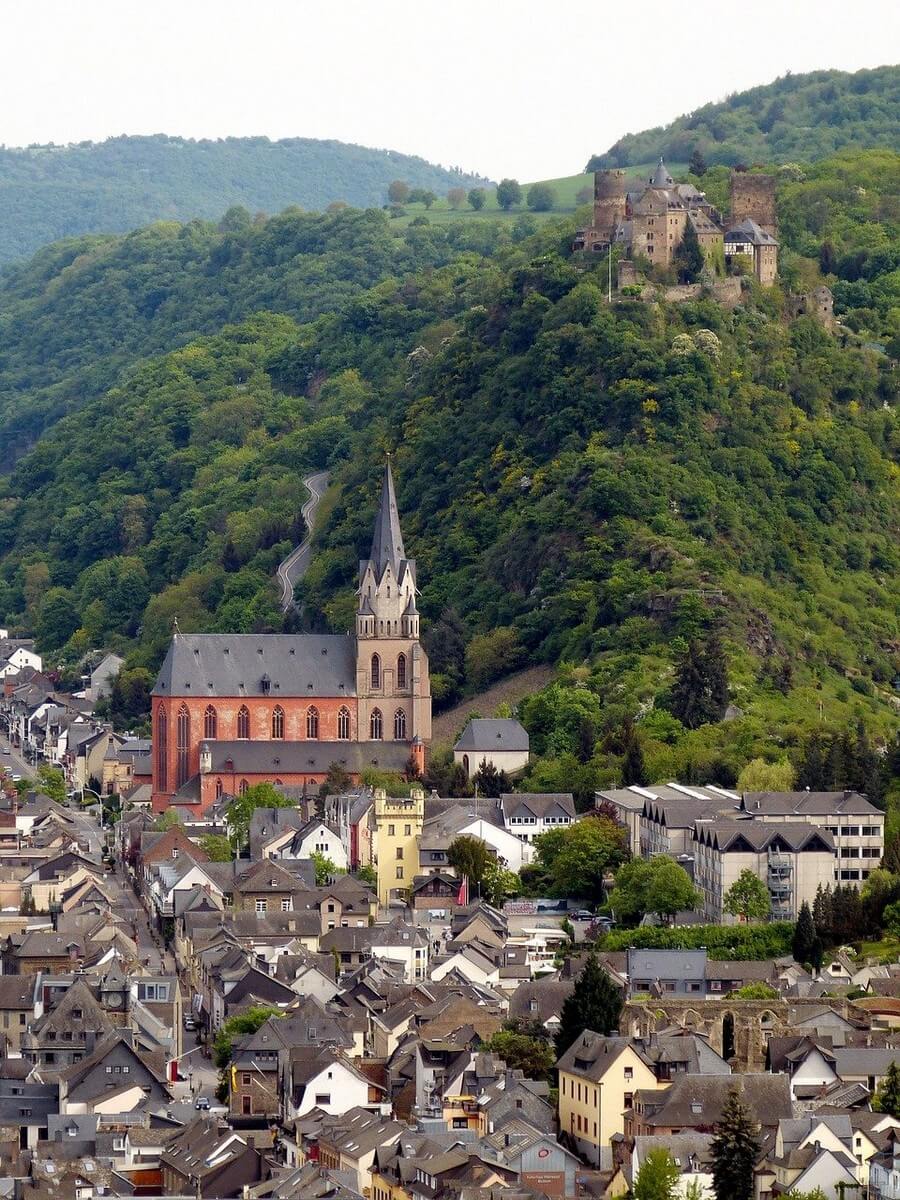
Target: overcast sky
x=528 y=88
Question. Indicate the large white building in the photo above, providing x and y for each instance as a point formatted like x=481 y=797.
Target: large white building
x=793 y=861
x=856 y=825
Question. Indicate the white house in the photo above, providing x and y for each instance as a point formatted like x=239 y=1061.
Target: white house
x=315 y=837
x=501 y=742
x=469 y=964
x=14 y=657
x=316 y=1077
x=402 y=943
x=691 y=1154
x=528 y=814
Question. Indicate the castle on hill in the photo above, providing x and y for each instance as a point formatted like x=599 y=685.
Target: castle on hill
x=233 y=710
x=650 y=221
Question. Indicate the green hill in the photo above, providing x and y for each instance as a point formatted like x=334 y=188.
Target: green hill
x=606 y=489
x=798 y=118
x=52 y=192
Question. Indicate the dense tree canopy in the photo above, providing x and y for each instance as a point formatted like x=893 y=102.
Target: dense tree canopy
x=796 y=118
x=51 y=192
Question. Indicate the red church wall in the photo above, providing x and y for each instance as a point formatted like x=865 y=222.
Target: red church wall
x=260 y=709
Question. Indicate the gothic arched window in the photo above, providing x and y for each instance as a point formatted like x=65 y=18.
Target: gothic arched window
x=312 y=723
x=162 y=750
x=376 y=725
x=182 y=745
x=243 y=722
x=401 y=670
x=244 y=786
x=210 y=723
x=343 y=724
x=399 y=725
x=278 y=723
x=219 y=789
x=376 y=671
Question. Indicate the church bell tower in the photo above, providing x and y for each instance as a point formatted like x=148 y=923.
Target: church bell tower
x=392 y=682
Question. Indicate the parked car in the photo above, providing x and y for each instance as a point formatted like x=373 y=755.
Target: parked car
x=189 y=1022
x=582 y=915
x=6 y=750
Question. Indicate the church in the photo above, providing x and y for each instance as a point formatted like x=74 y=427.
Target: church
x=233 y=710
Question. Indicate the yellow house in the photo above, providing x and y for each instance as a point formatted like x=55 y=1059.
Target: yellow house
x=399 y=826
x=598 y=1077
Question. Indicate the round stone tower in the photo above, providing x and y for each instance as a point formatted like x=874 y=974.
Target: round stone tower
x=609 y=200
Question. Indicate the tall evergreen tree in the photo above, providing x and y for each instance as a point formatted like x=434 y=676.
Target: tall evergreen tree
x=634 y=770
x=887 y=1098
x=891 y=859
x=823 y=915
x=697 y=165
x=804 y=935
x=811 y=771
x=700 y=691
x=689 y=260
x=735 y=1146
x=595 y=1003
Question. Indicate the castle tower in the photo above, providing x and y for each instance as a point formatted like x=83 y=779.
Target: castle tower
x=398 y=823
x=609 y=202
x=753 y=196
x=392 y=682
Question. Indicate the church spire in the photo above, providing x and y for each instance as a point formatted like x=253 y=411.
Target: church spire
x=387 y=540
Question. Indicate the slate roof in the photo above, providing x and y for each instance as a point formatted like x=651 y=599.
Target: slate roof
x=693 y=1100
x=748 y=231
x=314 y=757
x=818 y=804
x=761 y=835
x=493 y=733
x=387 y=540
x=203 y=1148
x=539 y=803
x=233 y=664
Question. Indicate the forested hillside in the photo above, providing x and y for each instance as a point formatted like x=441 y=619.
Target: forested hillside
x=798 y=118
x=630 y=492
x=52 y=192
x=83 y=310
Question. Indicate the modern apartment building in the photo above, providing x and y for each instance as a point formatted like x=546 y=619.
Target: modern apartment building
x=794 y=861
x=856 y=826
x=661 y=829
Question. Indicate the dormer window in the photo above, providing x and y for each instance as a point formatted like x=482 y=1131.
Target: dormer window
x=265 y=684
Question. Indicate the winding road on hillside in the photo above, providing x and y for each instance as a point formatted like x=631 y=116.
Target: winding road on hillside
x=294 y=566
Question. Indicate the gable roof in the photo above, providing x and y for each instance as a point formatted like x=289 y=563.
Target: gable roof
x=234 y=664
x=539 y=803
x=493 y=733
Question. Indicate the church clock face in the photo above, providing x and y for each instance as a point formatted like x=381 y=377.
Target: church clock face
x=114 y=1000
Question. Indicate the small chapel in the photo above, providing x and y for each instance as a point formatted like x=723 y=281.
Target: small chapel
x=233 y=710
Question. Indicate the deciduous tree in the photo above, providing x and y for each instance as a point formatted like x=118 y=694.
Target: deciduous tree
x=748 y=897
x=477 y=198
x=541 y=197
x=509 y=193
x=398 y=192
x=469 y=857
x=658 y=1177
